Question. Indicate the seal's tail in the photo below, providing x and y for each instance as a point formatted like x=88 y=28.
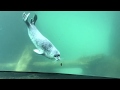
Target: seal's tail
x=25 y=18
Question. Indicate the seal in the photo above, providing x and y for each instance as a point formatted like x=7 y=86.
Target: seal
x=43 y=45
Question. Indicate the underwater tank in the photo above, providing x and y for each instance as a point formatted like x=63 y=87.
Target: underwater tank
x=59 y=44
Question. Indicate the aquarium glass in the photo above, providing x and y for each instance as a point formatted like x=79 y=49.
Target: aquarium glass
x=88 y=42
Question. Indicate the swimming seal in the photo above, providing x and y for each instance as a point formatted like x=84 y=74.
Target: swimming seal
x=42 y=44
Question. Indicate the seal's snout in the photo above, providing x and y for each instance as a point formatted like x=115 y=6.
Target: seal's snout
x=57 y=57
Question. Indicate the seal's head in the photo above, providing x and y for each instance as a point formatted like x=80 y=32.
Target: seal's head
x=55 y=54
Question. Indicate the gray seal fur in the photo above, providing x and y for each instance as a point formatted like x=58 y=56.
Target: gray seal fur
x=42 y=44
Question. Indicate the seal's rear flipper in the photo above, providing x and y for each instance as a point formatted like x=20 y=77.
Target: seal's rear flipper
x=25 y=16
x=31 y=21
x=35 y=18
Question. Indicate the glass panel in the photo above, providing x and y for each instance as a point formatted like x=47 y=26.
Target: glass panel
x=69 y=42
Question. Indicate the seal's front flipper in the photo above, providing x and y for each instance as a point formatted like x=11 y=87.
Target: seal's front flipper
x=38 y=51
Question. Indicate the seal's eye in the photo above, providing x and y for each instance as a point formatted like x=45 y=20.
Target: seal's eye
x=57 y=55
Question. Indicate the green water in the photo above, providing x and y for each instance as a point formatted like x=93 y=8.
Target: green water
x=89 y=42
x=77 y=33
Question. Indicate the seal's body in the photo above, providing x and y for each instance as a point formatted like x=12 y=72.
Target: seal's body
x=43 y=45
